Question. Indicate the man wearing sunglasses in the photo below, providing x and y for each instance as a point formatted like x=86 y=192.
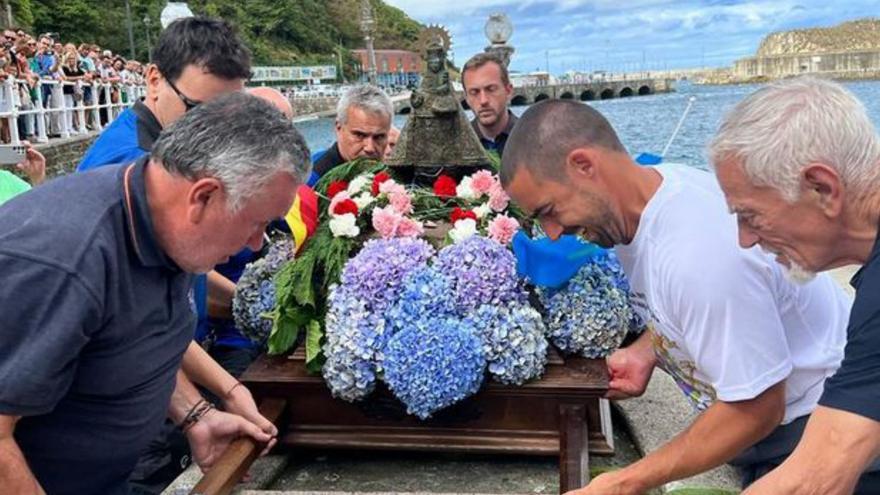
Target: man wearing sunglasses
x=196 y=59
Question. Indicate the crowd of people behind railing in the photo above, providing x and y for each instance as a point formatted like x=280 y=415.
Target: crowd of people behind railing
x=55 y=89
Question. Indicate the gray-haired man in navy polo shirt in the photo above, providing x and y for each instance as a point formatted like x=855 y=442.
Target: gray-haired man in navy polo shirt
x=97 y=312
x=799 y=162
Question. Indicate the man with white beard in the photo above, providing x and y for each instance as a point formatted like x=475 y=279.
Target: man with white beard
x=750 y=349
x=799 y=163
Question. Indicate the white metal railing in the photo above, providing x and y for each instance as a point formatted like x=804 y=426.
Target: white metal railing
x=60 y=115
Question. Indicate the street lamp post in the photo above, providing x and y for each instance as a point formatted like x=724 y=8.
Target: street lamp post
x=130 y=29
x=147 y=28
x=367 y=25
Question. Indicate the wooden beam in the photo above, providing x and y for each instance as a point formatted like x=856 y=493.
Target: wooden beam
x=234 y=463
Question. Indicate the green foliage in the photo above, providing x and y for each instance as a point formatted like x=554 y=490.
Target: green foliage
x=301 y=286
x=289 y=32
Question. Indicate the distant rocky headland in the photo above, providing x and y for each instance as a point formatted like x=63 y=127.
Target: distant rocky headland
x=850 y=50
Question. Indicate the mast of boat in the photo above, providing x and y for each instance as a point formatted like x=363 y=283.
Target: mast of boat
x=687 y=109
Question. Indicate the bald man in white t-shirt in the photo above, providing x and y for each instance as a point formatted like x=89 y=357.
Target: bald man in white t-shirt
x=748 y=346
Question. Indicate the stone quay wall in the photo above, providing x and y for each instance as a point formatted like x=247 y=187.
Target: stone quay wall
x=63 y=155
x=845 y=65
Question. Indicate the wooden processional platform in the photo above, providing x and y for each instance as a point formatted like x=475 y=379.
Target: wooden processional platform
x=559 y=414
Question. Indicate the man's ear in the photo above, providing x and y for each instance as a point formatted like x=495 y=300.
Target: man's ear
x=823 y=183
x=153 y=78
x=203 y=194
x=581 y=163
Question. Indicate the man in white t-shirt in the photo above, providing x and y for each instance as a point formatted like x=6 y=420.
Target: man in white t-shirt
x=747 y=346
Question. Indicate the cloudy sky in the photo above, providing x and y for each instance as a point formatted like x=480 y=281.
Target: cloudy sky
x=629 y=34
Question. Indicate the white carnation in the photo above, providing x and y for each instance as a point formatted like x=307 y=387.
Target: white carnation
x=344 y=225
x=463 y=229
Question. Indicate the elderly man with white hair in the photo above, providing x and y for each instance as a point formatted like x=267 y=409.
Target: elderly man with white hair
x=799 y=163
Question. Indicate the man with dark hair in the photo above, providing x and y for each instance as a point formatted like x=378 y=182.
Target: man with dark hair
x=750 y=348
x=487 y=90
x=99 y=265
x=195 y=59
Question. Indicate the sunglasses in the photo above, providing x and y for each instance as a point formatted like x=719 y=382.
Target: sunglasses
x=188 y=102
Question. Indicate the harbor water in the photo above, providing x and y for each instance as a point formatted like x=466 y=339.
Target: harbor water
x=645 y=123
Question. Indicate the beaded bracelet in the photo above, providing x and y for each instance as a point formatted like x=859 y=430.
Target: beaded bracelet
x=195 y=414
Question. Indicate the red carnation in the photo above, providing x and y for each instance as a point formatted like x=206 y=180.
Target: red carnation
x=459 y=214
x=336 y=187
x=345 y=206
x=377 y=180
x=444 y=186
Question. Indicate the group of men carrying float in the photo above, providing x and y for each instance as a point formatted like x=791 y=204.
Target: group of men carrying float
x=99 y=320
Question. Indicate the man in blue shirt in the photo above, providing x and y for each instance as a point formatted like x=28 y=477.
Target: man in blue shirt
x=196 y=59
x=799 y=163
x=98 y=264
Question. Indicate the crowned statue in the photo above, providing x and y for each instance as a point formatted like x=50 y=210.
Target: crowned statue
x=437 y=137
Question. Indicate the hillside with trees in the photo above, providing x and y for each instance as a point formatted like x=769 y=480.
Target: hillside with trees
x=277 y=32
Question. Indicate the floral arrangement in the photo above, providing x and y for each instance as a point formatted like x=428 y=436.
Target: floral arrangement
x=255 y=291
x=417 y=287
x=591 y=315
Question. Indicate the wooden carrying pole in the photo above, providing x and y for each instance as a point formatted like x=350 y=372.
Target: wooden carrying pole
x=237 y=459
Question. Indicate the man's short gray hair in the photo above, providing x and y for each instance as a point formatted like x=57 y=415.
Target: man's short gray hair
x=778 y=130
x=368 y=98
x=237 y=138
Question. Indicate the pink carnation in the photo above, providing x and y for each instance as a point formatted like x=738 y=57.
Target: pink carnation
x=410 y=228
x=498 y=199
x=389 y=223
x=502 y=229
x=386 y=221
x=336 y=199
x=482 y=182
x=401 y=202
x=390 y=187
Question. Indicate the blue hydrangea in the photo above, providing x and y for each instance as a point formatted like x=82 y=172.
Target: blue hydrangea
x=354 y=337
x=482 y=271
x=376 y=274
x=513 y=342
x=590 y=315
x=426 y=293
x=434 y=363
x=255 y=291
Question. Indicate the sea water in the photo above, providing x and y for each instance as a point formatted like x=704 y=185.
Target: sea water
x=645 y=123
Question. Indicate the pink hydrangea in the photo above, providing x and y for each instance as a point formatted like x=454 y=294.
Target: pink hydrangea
x=338 y=198
x=498 y=199
x=502 y=229
x=401 y=202
x=482 y=182
x=390 y=187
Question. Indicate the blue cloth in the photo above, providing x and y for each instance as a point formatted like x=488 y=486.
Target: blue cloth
x=549 y=263
x=96 y=319
x=649 y=159
x=856 y=385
